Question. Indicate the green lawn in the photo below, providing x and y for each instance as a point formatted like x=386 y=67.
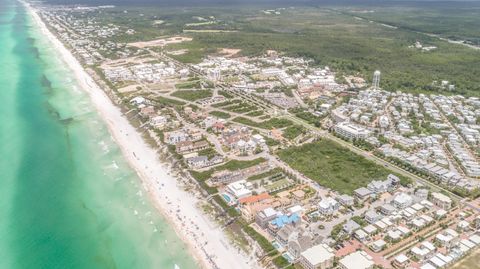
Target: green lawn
x=277 y=184
x=333 y=166
x=162 y=101
x=227 y=103
x=242 y=107
x=192 y=95
x=274 y=171
x=188 y=84
x=293 y=131
x=269 y=124
x=255 y=113
x=220 y=114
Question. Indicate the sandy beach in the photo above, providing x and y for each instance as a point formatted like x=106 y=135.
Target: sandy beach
x=206 y=241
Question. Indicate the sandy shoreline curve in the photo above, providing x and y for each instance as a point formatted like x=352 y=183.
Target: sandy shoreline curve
x=205 y=240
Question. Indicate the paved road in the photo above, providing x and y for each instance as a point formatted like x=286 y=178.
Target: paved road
x=324 y=134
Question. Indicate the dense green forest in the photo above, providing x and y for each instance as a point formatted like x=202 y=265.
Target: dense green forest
x=340 y=37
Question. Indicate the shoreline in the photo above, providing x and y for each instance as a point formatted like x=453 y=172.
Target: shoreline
x=205 y=241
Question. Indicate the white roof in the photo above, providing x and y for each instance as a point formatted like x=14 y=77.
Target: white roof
x=451 y=232
x=443 y=238
x=437 y=261
x=380 y=224
x=426 y=203
x=427 y=266
x=419 y=251
x=441 y=212
x=403 y=230
x=318 y=254
x=467 y=243
x=411 y=210
x=426 y=218
x=463 y=224
x=418 y=222
x=387 y=221
x=442 y=197
x=401 y=258
x=370 y=229
x=295 y=209
x=403 y=198
x=357 y=260
x=379 y=243
x=327 y=203
x=446 y=259
x=428 y=245
x=257 y=136
x=417 y=206
x=239 y=188
x=475 y=239
x=394 y=234
x=269 y=212
x=360 y=233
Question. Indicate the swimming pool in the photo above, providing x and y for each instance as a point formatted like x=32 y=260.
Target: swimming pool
x=226 y=197
x=287 y=256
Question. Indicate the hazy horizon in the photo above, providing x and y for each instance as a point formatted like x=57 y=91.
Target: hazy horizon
x=261 y=2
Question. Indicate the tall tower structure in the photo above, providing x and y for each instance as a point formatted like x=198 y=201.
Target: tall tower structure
x=376 y=80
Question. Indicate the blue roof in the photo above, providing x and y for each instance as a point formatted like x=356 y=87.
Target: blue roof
x=284 y=219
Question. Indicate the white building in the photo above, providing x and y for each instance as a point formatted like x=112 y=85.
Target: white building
x=328 y=206
x=356 y=260
x=441 y=200
x=351 y=131
x=240 y=189
x=317 y=257
x=402 y=200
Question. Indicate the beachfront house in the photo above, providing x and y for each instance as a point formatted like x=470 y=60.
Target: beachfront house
x=317 y=257
x=265 y=216
x=240 y=189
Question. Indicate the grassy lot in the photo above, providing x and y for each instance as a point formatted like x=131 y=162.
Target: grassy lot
x=192 y=95
x=333 y=166
x=306 y=116
x=280 y=262
x=243 y=107
x=278 y=184
x=209 y=152
x=162 y=101
x=293 y=131
x=220 y=114
x=255 y=113
x=269 y=173
x=227 y=103
x=188 y=84
x=226 y=94
x=269 y=124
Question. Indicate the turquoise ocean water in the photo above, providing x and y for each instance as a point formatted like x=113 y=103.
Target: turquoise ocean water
x=67 y=197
